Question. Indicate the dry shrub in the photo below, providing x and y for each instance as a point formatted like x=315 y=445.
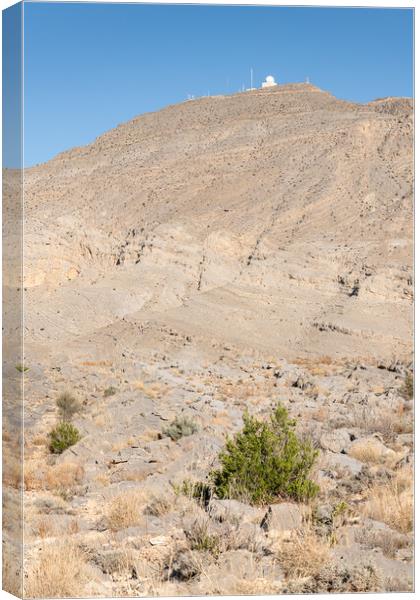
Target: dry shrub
x=73 y=527
x=33 y=476
x=158 y=506
x=389 y=541
x=387 y=422
x=152 y=391
x=45 y=528
x=392 y=502
x=258 y=587
x=116 y=561
x=66 y=475
x=103 y=479
x=231 y=585
x=367 y=451
x=201 y=537
x=338 y=578
x=125 y=511
x=103 y=420
x=68 y=405
x=150 y=435
x=39 y=440
x=59 y=571
x=303 y=555
x=96 y=363
x=185 y=564
x=61 y=478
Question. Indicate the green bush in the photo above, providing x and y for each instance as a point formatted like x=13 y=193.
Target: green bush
x=407 y=389
x=110 y=391
x=266 y=461
x=202 y=492
x=180 y=427
x=67 y=406
x=62 y=437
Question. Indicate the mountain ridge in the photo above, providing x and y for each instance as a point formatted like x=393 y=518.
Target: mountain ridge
x=273 y=189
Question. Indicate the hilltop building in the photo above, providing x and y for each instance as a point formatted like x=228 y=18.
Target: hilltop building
x=269 y=82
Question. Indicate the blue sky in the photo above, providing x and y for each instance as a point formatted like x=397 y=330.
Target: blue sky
x=90 y=67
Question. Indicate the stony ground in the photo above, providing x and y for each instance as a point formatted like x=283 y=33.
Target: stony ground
x=222 y=255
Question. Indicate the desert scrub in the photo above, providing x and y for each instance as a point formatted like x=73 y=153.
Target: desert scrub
x=125 y=511
x=266 y=461
x=197 y=490
x=62 y=437
x=180 y=427
x=201 y=539
x=110 y=391
x=304 y=554
x=60 y=570
x=407 y=389
x=68 y=406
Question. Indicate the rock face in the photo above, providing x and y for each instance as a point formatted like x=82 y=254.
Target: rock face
x=283 y=215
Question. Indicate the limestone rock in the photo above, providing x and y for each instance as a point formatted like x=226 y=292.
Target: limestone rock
x=282 y=517
x=234 y=511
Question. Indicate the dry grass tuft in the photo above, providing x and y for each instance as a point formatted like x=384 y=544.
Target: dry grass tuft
x=202 y=538
x=66 y=475
x=367 y=451
x=387 y=422
x=59 y=571
x=339 y=579
x=61 y=478
x=150 y=435
x=158 y=506
x=45 y=527
x=392 y=502
x=125 y=511
x=303 y=555
x=96 y=363
x=388 y=540
x=103 y=479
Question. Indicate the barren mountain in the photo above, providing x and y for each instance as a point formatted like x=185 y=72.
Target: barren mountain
x=221 y=255
x=280 y=219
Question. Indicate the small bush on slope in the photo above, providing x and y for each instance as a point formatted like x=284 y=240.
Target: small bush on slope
x=407 y=389
x=266 y=461
x=67 y=406
x=180 y=427
x=110 y=391
x=62 y=437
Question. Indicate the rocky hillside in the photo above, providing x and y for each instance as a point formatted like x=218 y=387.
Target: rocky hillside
x=281 y=216
x=222 y=255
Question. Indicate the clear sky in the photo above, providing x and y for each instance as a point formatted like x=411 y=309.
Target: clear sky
x=90 y=67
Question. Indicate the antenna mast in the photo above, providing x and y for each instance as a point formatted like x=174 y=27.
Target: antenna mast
x=252 y=77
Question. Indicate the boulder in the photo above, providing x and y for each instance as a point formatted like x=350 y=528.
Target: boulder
x=342 y=461
x=234 y=511
x=336 y=441
x=239 y=563
x=249 y=536
x=282 y=517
